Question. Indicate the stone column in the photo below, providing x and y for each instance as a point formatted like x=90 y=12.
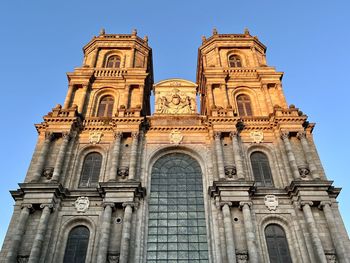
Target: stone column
x=40 y=233
x=219 y=155
x=68 y=97
x=42 y=158
x=268 y=98
x=237 y=155
x=60 y=158
x=332 y=226
x=230 y=243
x=249 y=232
x=82 y=98
x=308 y=154
x=17 y=236
x=316 y=241
x=224 y=92
x=105 y=231
x=133 y=155
x=290 y=155
x=126 y=232
x=113 y=172
x=210 y=96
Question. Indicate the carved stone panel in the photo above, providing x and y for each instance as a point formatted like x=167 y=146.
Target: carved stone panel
x=271 y=202
x=82 y=204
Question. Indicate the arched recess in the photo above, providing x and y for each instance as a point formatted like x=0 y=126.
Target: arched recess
x=67 y=226
x=79 y=161
x=292 y=240
x=110 y=54
x=256 y=109
x=272 y=158
x=98 y=95
x=240 y=54
x=177 y=227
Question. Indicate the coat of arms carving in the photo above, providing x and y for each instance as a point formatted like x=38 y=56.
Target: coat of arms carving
x=257 y=136
x=271 y=202
x=95 y=137
x=175 y=137
x=175 y=102
x=82 y=204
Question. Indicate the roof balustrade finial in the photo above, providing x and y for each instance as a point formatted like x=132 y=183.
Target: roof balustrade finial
x=102 y=31
x=246 y=31
x=134 y=32
x=215 y=31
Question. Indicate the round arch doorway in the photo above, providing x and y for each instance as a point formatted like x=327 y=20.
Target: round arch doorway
x=176 y=226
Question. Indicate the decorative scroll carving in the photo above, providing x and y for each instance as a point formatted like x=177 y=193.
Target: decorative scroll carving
x=242 y=256
x=82 y=204
x=257 y=136
x=176 y=137
x=331 y=257
x=271 y=202
x=113 y=257
x=123 y=171
x=48 y=172
x=22 y=259
x=175 y=102
x=230 y=170
x=95 y=137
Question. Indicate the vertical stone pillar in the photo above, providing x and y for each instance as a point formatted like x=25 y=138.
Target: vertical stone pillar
x=94 y=57
x=142 y=90
x=210 y=96
x=249 y=232
x=127 y=93
x=308 y=154
x=290 y=155
x=268 y=98
x=237 y=155
x=126 y=233
x=224 y=92
x=316 y=241
x=230 y=243
x=82 y=98
x=219 y=155
x=133 y=155
x=43 y=155
x=17 y=236
x=68 y=97
x=40 y=233
x=113 y=172
x=60 y=158
x=105 y=231
x=337 y=242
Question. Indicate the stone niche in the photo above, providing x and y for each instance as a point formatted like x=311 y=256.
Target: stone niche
x=175 y=97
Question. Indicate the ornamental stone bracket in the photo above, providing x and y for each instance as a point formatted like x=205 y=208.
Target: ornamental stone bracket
x=231 y=191
x=312 y=191
x=121 y=192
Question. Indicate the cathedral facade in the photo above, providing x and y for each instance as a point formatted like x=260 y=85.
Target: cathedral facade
x=222 y=171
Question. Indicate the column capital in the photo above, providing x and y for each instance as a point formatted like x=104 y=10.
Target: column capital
x=135 y=135
x=110 y=204
x=66 y=136
x=29 y=206
x=131 y=204
x=118 y=135
x=217 y=135
x=324 y=203
x=222 y=204
x=234 y=134
x=50 y=206
x=243 y=203
x=284 y=135
x=49 y=136
x=303 y=203
x=301 y=135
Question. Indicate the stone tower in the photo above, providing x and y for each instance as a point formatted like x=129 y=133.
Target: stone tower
x=236 y=178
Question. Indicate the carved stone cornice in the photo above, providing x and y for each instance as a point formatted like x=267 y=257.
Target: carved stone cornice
x=120 y=192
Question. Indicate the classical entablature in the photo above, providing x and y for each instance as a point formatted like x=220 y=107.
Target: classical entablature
x=175 y=96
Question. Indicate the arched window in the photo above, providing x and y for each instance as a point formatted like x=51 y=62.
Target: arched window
x=234 y=61
x=77 y=244
x=277 y=244
x=113 y=62
x=261 y=169
x=91 y=170
x=244 y=105
x=105 y=108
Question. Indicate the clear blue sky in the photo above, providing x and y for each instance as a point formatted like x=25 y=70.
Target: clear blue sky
x=42 y=40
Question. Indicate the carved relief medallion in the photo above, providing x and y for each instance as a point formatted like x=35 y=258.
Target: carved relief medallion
x=257 y=136
x=271 y=202
x=82 y=204
x=175 y=137
x=95 y=137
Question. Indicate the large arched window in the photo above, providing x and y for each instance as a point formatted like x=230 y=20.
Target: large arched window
x=244 y=105
x=113 y=62
x=91 y=170
x=261 y=169
x=234 y=61
x=176 y=225
x=105 y=108
x=77 y=244
x=277 y=244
